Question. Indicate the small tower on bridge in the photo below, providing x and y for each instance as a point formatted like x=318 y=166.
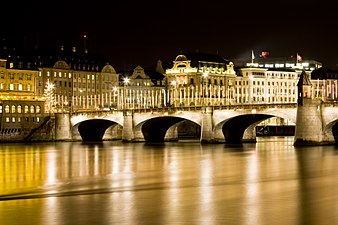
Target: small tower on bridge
x=304 y=87
x=309 y=122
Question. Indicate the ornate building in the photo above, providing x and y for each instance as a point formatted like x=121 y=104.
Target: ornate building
x=198 y=79
x=21 y=109
x=142 y=89
x=82 y=80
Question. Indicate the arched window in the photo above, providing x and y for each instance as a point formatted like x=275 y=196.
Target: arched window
x=32 y=109
x=38 y=109
x=13 y=108
x=26 y=109
x=19 y=109
x=7 y=108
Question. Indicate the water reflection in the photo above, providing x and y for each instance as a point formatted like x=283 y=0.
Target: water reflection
x=269 y=182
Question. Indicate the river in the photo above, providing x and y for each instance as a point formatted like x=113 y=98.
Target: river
x=178 y=183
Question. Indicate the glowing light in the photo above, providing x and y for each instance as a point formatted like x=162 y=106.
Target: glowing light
x=126 y=80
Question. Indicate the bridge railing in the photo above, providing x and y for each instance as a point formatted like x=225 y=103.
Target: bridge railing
x=189 y=108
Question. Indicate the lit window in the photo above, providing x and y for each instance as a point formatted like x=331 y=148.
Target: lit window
x=38 y=109
x=26 y=109
x=60 y=74
x=7 y=108
x=13 y=119
x=38 y=119
x=69 y=75
x=13 y=109
x=20 y=87
x=19 y=109
x=32 y=109
x=0 y=108
x=11 y=87
x=7 y=119
x=28 y=87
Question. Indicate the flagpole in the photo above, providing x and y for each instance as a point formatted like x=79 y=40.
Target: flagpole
x=252 y=57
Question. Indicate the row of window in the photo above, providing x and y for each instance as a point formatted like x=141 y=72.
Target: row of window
x=77 y=76
x=19 y=119
x=18 y=109
x=16 y=87
x=19 y=76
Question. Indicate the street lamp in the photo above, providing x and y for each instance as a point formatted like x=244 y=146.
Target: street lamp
x=125 y=83
x=205 y=76
x=114 y=97
x=173 y=84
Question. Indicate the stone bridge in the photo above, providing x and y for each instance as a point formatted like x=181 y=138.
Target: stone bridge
x=315 y=123
x=234 y=123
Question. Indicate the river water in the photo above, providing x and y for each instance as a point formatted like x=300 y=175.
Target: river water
x=176 y=183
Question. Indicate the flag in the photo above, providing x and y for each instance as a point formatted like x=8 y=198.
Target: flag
x=299 y=57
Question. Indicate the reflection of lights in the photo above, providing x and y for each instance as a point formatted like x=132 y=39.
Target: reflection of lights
x=206 y=190
x=51 y=168
x=252 y=190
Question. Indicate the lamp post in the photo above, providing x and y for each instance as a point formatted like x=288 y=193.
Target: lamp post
x=204 y=79
x=125 y=83
x=114 y=98
x=173 y=84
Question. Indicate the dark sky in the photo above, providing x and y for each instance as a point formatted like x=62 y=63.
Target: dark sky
x=131 y=33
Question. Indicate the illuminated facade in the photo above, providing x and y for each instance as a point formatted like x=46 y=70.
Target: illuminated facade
x=286 y=63
x=142 y=89
x=263 y=86
x=82 y=80
x=21 y=109
x=200 y=79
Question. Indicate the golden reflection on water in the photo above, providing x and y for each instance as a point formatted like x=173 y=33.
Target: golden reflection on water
x=269 y=182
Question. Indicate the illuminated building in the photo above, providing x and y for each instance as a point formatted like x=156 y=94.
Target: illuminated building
x=21 y=110
x=197 y=79
x=143 y=88
x=82 y=80
x=266 y=61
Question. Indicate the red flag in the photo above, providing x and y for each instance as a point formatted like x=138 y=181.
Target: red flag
x=299 y=58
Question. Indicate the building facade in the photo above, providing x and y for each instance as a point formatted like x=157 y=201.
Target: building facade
x=21 y=109
x=197 y=79
x=82 y=81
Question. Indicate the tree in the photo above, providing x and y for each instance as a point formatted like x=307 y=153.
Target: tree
x=49 y=94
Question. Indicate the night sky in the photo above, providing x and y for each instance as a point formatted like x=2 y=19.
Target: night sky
x=131 y=33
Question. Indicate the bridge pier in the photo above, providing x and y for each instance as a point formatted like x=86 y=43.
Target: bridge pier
x=172 y=134
x=309 y=124
x=62 y=127
x=128 y=126
x=206 y=125
x=250 y=134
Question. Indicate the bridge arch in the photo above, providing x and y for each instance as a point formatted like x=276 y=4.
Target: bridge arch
x=93 y=130
x=155 y=129
x=239 y=125
x=331 y=131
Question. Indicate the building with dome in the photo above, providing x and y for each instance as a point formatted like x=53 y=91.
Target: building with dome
x=82 y=80
x=198 y=79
